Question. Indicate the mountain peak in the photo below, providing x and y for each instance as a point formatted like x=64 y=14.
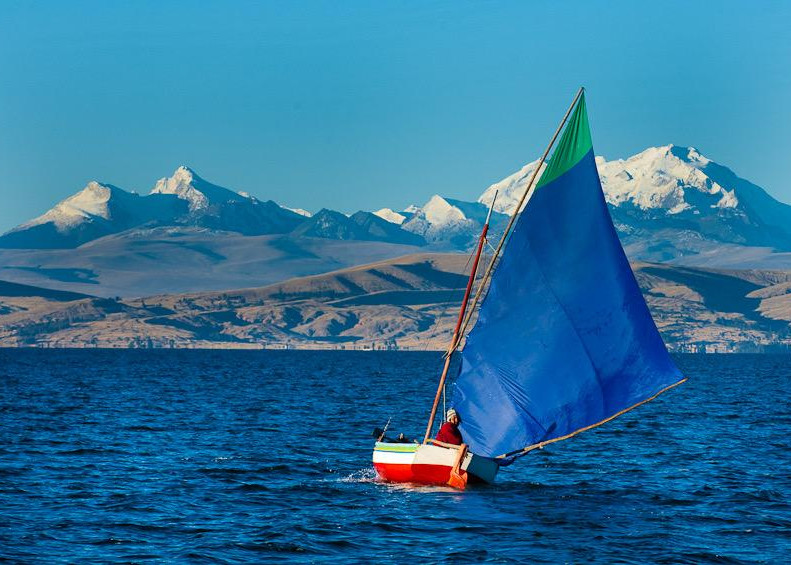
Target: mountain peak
x=391 y=216
x=90 y=202
x=668 y=189
x=690 y=155
x=184 y=173
x=439 y=211
x=683 y=153
x=199 y=194
x=96 y=187
x=668 y=177
x=441 y=219
x=180 y=184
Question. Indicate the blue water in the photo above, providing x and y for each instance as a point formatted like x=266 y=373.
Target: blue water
x=202 y=456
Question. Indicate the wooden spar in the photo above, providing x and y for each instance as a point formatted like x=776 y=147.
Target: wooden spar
x=454 y=340
x=528 y=191
x=541 y=444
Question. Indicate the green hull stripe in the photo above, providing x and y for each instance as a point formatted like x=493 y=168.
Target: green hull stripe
x=574 y=145
x=396 y=447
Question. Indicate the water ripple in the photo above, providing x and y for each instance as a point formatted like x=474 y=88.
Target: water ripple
x=222 y=457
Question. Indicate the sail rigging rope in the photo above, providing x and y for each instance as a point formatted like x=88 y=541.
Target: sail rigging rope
x=444 y=405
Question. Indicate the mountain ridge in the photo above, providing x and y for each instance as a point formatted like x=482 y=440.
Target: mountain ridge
x=402 y=303
x=668 y=203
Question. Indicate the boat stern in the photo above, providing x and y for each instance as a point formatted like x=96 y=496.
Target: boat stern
x=393 y=461
x=428 y=464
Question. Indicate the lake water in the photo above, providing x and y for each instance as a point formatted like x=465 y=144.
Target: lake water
x=225 y=456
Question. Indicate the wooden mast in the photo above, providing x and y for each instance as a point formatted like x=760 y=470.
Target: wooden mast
x=528 y=192
x=455 y=339
x=463 y=322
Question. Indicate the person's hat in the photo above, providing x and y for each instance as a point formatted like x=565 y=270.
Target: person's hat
x=450 y=413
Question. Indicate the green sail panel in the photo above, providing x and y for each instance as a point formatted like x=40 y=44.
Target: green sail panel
x=574 y=145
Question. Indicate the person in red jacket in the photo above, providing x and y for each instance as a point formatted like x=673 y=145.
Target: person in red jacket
x=449 y=432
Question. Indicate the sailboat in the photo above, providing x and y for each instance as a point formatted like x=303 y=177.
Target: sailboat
x=563 y=340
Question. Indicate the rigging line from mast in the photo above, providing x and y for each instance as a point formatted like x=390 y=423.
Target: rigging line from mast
x=455 y=339
x=486 y=254
x=446 y=307
x=444 y=405
x=525 y=195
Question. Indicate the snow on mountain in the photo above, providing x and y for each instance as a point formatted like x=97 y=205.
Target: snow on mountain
x=668 y=177
x=390 y=216
x=409 y=211
x=441 y=220
x=668 y=203
x=187 y=185
x=510 y=189
x=91 y=202
x=219 y=208
x=299 y=211
x=183 y=199
x=248 y=217
x=440 y=212
x=671 y=202
x=95 y=211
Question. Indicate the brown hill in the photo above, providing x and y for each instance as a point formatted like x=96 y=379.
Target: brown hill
x=408 y=303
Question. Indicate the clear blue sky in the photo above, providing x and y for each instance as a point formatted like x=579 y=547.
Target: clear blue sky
x=355 y=105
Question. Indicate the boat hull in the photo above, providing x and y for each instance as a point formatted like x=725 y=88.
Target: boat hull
x=429 y=464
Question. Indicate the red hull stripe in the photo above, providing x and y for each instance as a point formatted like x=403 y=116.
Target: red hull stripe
x=405 y=473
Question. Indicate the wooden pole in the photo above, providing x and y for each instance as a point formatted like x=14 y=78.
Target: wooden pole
x=528 y=191
x=541 y=444
x=455 y=338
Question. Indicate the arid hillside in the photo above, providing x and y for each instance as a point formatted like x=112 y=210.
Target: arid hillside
x=406 y=303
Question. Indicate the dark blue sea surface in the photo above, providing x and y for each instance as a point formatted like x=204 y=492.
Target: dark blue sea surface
x=228 y=456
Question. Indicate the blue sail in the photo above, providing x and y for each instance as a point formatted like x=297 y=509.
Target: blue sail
x=564 y=339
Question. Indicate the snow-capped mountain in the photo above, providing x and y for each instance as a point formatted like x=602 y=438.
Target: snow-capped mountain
x=183 y=199
x=391 y=216
x=219 y=208
x=186 y=200
x=668 y=178
x=95 y=211
x=91 y=201
x=198 y=193
x=671 y=202
x=668 y=203
x=510 y=189
x=448 y=221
